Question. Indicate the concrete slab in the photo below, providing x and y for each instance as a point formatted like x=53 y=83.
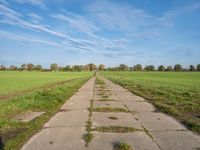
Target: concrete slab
x=97 y=97
x=177 y=140
x=111 y=104
x=129 y=97
x=77 y=102
x=157 y=121
x=123 y=119
x=57 y=139
x=139 y=106
x=137 y=140
x=90 y=93
x=28 y=116
x=72 y=118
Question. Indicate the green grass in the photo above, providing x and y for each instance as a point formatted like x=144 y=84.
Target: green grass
x=15 y=133
x=99 y=81
x=175 y=93
x=17 y=81
x=116 y=129
x=122 y=146
x=108 y=109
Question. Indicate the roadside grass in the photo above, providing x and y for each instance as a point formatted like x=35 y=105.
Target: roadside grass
x=174 y=93
x=13 y=133
x=121 y=146
x=115 y=129
x=108 y=109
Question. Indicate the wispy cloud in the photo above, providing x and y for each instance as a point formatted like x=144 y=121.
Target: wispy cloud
x=39 y=3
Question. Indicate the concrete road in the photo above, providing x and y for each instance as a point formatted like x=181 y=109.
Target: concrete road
x=151 y=130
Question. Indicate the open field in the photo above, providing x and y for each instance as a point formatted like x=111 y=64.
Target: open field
x=175 y=93
x=48 y=99
x=14 y=82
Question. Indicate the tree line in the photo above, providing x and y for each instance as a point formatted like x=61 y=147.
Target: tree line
x=138 y=67
x=91 y=67
x=53 y=67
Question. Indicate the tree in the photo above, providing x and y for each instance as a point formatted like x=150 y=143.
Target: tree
x=23 y=67
x=198 y=67
x=38 y=67
x=149 y=68
x=177 y=67
x=169 y=68
x=192 y=68
x=137 y=67
x=30 y=66
x=86 y=68
x=161 y=68
x=13 y=68
x=2 y=67
x=101 y=67
x=123 y=67
x=54 y=67
x=92 y=66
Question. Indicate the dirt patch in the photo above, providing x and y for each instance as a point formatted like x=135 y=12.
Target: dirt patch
x=28 y=116
x=9 y=135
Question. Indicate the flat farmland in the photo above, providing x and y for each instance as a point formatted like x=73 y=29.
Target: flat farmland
x=174 y=93
x=14 y=82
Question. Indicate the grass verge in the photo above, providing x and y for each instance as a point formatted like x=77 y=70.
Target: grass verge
x=48 y=100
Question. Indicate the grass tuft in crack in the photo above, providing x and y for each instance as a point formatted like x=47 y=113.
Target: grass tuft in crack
x=108 y=109
x=87 y=137
x=121 y=146
x=116 y=129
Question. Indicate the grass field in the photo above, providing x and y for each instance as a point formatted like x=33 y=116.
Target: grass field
x=175 y=93
x=14 y=81
x=48 y=99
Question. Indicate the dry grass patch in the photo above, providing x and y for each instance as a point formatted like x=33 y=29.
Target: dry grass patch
x=121 y=146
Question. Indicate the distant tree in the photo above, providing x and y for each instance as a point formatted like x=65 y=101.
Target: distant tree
x=30 y=66
x=137 y=67
x=67 y=68
x=38 y=67
x=54 y=67
x=177 y=67
x=149 y=68
x=123 y=67
x=2 y=67
x=101 y=67
x=23 y=67
x=198 y=67
x=77 y=68
x=161 y=68
x=13 y=67
x=86 y=68
x=192 y=68
x=169 y=68
x=92 y=66
x=61 y=68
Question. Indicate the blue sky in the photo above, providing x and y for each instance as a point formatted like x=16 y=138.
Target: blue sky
x=102 y=31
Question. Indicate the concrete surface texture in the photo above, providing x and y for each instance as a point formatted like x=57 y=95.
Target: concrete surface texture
x=143 y=127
